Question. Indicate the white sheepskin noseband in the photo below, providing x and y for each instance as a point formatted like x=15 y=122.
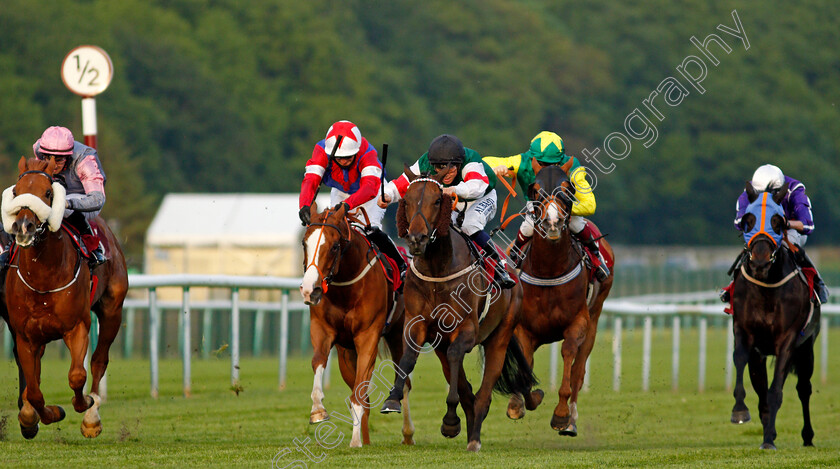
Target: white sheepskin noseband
x=51 y=215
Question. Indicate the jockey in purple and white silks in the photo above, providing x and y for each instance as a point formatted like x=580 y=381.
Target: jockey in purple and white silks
x=797 y=212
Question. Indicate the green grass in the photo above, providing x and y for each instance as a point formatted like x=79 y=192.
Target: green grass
x=216 y=428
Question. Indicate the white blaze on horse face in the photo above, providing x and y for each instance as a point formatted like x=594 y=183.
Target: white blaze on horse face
x=553 y=213
x=310 y=277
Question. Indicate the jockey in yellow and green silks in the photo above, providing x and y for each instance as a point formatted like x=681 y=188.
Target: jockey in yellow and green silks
x=547 y=149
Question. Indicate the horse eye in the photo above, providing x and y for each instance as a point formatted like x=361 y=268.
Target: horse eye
x=437 y=202
x=49 y=194
x=14 y=192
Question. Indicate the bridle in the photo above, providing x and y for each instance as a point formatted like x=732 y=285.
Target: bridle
x=340 y=246
x=40 y=229
x=432 y=230
x=562 y=205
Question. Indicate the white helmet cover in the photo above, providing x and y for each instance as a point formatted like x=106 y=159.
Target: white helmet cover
x=767 y=178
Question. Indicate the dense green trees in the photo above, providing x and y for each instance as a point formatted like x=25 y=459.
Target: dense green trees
x=219 y=96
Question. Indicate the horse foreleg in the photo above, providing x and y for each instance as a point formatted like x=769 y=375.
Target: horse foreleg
x=579 y=369
x=33 y=401
x=804 y=359
x=321 y=345
x=451 y=425
x=573 y=337
x=395 y=345
x=366 y=345
x=495 y=349
x=740 y=355
x=784 y=354
x=758 y=377
x=413 y=338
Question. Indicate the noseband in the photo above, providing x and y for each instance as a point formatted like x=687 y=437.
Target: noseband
x=40 y=229
x=769 y=240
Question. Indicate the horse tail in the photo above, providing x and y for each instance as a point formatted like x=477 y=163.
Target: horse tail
x=517 y=376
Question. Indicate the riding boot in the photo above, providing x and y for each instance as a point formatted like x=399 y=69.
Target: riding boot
x=516 y=251
x=500 y=275
x=586 y=237
x=91 y=242
x=387 y=246
x=802 y=260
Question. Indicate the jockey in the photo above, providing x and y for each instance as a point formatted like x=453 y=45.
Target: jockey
x=797 y=207
x=78 y=169
x=354 y=175
x=472 y=181
x=547 y=149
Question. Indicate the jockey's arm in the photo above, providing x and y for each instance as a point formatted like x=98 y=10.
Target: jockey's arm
x=315 y=168
x=474 y=183
x=584 y=198
x=94 y=185
x=504 y=166
x=369 y=181
x=801 y=212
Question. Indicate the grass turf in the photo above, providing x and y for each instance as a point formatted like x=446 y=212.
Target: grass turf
x=217 y=428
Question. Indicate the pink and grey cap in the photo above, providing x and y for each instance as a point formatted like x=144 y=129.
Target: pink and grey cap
x=55 y=141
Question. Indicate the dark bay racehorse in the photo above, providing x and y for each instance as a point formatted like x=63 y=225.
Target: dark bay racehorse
x=350 y=302
x=451 y=303
x=48 y=296
x=555 y=280
x=773 y=314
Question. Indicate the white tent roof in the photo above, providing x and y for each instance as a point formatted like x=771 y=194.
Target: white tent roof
x=228 y=219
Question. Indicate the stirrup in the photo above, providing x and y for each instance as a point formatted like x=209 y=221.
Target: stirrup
x=502 y=278
x=724 y=295
x=97 y=258
x=602 y=272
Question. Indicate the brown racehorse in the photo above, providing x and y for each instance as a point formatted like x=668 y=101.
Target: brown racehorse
x=350 y=302
x=451 y=303
x=772 y=315
x=555 y=280
x=48 y=296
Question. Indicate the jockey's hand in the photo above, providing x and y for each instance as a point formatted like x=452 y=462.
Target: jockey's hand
x=381 y=203
x=796 y=225
x=450 y=191
x=502 y=171
x=304 y=215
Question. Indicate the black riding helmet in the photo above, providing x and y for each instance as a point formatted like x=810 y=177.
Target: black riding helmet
x=446 y=150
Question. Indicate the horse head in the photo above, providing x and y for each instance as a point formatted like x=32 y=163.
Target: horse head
x=33 y=203
x=424 y=212
x=553 y=194
x=763 y=225
x=325 y=240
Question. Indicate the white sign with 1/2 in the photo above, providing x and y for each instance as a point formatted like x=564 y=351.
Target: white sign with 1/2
x=87 y=71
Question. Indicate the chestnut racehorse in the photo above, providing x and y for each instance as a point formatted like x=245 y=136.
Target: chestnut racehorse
x=452 y=303
x=48 y=295
x=351 y=304
x=555 y=281
x=773 y=314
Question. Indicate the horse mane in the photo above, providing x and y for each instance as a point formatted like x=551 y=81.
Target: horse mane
x=443 y=222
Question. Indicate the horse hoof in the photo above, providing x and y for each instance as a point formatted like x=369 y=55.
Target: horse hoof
x=408 y=440
x=515 y=413
x=91 y=430
x=570 y=430
x=560 y=423
x=318 y=417
x=768 y=446
x=29 y=432
x=740 y=416
x=536 y=399
x=451 y=431
x=474 y=446
x=390 y=406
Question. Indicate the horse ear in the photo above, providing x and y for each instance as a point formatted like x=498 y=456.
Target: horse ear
x=534 y=191
x=22 y=164
x=439 y=177
x=408 y=173
x=50 y=166
x=313 y=209
x=751 y=193
x=536 y=166
x=568 y=166
x=781 y=193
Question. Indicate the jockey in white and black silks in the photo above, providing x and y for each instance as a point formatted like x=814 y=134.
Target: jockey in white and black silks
x=472 y=180
x=354 y=176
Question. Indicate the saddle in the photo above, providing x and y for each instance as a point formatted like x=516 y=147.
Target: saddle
x=389 y=266
x=85 y=246
x=489 y=263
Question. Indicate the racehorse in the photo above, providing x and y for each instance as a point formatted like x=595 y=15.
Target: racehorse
x=555 y=280
x=451 y=302
x=773 y=314
x=351 y=305
x=49 y=297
